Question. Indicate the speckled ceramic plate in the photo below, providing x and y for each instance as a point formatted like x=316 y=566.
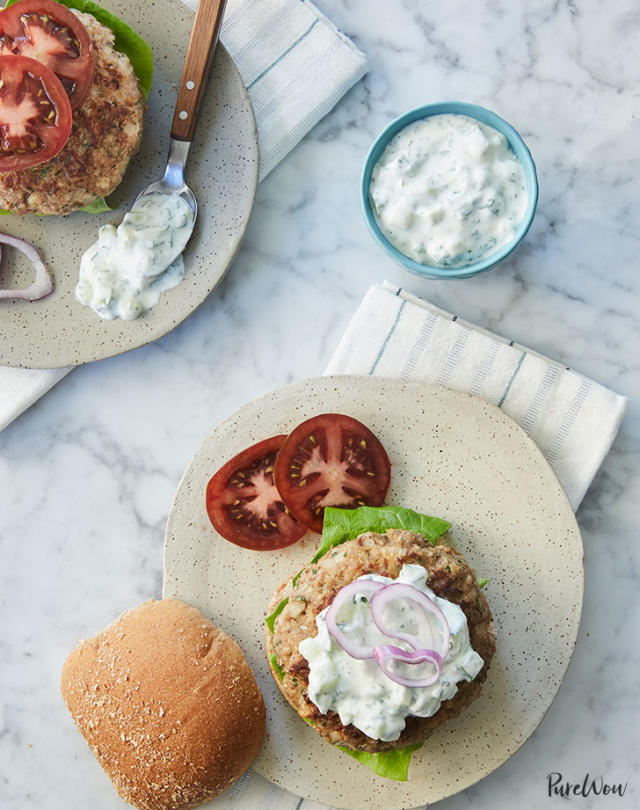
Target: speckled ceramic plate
x=454 y=456
x=222 y=171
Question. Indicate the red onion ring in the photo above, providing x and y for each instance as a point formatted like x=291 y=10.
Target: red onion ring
x=364 y=586
x=42 y=284
x=385 y=653
x=401 y=590
x=380 y=595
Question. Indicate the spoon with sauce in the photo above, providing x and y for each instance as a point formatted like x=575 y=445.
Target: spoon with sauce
x=124 y=272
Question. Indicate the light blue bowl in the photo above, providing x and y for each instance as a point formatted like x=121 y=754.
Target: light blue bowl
x=486 y=117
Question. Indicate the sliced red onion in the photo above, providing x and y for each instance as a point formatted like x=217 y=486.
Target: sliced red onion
x=42 y=284
x=428 y=611
x=363 y=586
x=385 y=654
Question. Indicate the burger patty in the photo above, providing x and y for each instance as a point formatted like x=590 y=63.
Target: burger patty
x=106 y=132
x=450 y=577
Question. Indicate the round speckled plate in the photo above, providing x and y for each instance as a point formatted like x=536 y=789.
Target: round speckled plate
x=454 y=456
x=222 y=171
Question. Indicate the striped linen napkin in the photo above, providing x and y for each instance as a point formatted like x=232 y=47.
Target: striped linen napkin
x=572 y=419
x=296 y=66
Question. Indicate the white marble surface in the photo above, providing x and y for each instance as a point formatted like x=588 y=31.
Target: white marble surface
x=87 y=475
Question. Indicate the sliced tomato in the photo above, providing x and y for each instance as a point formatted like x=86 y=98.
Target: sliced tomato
x=243 y=503
x=52 y=34
x=35 y=114
x=331 y=460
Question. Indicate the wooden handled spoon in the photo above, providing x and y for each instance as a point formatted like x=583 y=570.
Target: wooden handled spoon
x=197 y=65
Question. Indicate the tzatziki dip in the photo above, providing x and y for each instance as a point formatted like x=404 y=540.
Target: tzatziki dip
x=448 y=191
x=124 y=272
x=357 y=689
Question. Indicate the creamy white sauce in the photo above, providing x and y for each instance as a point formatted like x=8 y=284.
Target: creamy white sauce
x=124 y=272
x=448 y=191
x=358 y=690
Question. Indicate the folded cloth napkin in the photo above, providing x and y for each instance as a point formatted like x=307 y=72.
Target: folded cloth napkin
x=572 y=419
x=296 y=66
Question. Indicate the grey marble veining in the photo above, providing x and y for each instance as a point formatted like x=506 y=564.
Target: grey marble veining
x=87 y=475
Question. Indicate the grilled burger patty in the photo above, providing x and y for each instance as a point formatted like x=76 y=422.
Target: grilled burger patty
x=107 y=128
x=450 y=577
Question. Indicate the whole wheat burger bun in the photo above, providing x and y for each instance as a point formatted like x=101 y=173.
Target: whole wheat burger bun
x=168 y=705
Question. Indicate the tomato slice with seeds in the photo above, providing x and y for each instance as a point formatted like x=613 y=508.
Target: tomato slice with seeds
x=51 y=34
x=35 y=114
x=243 y=503
x=331 y=460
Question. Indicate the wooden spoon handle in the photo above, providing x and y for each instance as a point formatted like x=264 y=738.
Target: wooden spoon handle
x=197 y=64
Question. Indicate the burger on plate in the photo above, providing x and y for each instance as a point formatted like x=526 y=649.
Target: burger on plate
x=71 y=106
x=381 y=640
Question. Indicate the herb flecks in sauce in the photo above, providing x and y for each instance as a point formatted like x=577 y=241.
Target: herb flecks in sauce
x=448 y=191
x=124 y=272
x=358 y=690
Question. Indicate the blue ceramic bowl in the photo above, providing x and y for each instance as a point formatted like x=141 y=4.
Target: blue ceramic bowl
x=486 y=117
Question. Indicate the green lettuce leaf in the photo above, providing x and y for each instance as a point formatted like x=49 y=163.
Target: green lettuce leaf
x=270 y=620
x=127 y=41
x=389 y=764
x=276 y=666
x=482 y=582
x=98 y=206
x=341 y=525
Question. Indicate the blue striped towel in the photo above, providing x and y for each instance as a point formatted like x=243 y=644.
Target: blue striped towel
x=572 y=419
x=296 y=66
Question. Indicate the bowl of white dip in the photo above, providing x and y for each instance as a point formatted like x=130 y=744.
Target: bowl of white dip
x=449 y=189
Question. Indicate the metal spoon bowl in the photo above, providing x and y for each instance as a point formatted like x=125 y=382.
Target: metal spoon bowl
x=173 y=181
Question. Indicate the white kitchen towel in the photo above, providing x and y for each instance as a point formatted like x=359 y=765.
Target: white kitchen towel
x=296 y=66
x=572 y=419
